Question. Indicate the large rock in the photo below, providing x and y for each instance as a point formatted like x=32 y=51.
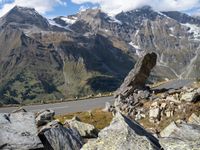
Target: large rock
x=182 y=136
x=123 y=134
x=44 y=116
x=85 y=130
x=61 y=138
x=18 y=131
x=137 y=76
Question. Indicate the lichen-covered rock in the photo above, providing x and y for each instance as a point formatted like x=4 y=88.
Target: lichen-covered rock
x=182 y=136
x=85 y=130
x=18 y=131
x=123 y=134
x=44 y=116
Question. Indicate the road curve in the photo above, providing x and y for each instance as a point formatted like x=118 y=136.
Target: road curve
x=66 y=107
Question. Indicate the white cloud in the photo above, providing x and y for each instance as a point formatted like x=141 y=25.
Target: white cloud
x=116 y=6
x=42 y=6
x=83 y=8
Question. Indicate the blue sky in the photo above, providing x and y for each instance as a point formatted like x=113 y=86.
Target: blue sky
x=70 y=8
x=52 y=8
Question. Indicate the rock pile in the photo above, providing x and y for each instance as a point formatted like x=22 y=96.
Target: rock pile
x=133 y=89
x=133 y=95
x=172 y=103
x=18 y=131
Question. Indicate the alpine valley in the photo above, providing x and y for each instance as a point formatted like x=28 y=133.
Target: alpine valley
x=90 y=52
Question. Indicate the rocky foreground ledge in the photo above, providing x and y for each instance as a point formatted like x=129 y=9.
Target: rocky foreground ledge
x=21 y=130
x=134 y=102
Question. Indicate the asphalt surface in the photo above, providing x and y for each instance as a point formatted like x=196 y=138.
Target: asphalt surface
x=66 y=107
x=174 y=84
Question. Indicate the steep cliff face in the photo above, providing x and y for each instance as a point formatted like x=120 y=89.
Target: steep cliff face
x=90 y=52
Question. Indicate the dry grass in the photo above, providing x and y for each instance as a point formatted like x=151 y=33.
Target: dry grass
x=98 y=118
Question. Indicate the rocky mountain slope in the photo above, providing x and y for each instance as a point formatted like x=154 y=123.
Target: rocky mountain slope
x=90 y=52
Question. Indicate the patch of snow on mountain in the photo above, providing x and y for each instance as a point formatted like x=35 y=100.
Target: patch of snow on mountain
x=161 y=14
x=71 y=20
x=113 y=19
x=53 y=23
x=194 y=29
x=171 y=29
x=172 y=35
x=139 y=51
x=133 y=45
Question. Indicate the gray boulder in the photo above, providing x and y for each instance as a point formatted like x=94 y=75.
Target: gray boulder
x=18 y=131
x=85 y=130
x=61 y=138
x=123 y=134
x=137 y=76
x=182 y=136
x=44 y=116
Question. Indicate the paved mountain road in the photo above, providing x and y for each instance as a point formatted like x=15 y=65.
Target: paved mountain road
x=66 y=107
x=174 y=84
x=85 y=105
